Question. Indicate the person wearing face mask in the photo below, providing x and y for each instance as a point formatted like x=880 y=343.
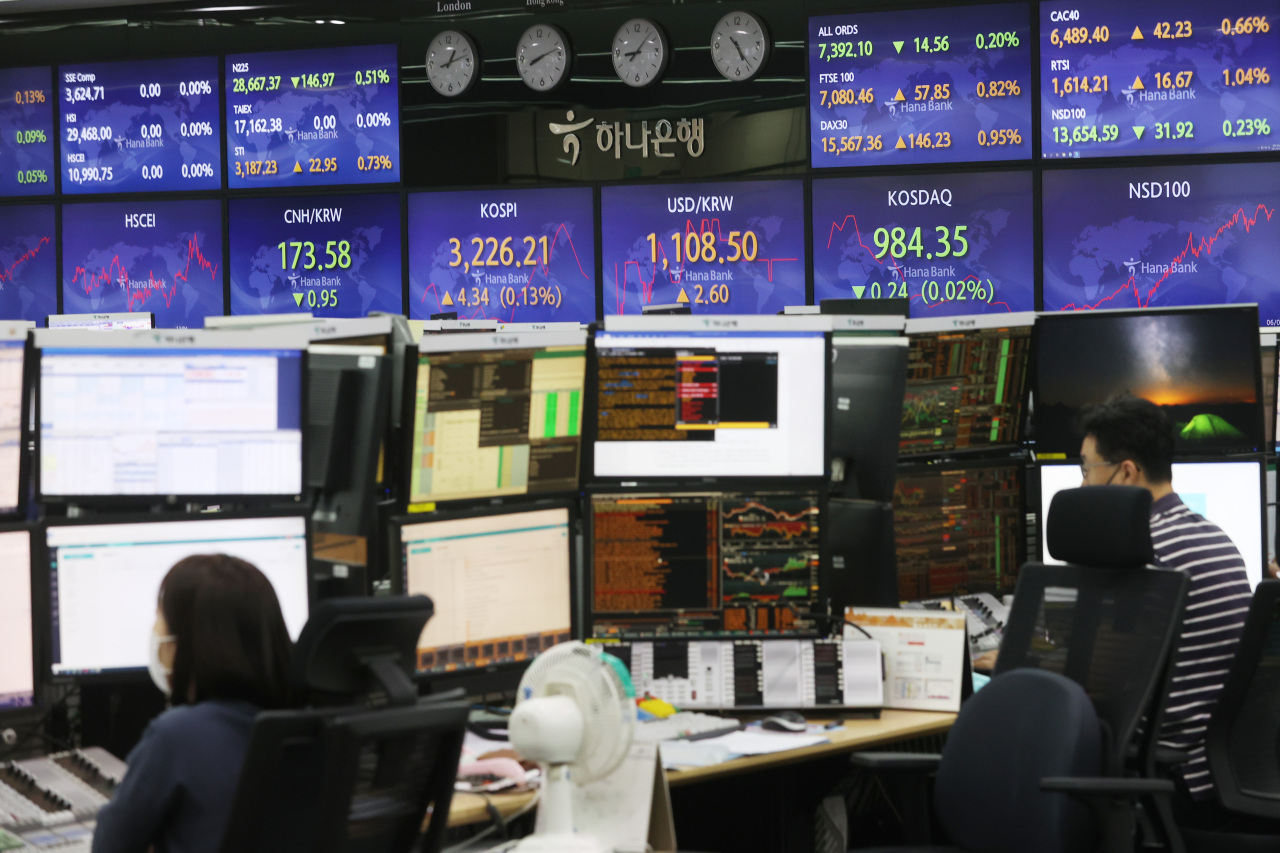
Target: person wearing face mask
x=220 y=652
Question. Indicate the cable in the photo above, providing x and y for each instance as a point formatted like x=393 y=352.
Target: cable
x=500 y=823
x=38 y=726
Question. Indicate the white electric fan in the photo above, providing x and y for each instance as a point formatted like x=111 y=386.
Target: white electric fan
x=574 y=715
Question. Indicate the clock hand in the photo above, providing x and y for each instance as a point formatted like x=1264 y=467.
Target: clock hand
x=538 y=59
x=451 y=59
x=633 y=54
x=738 y=47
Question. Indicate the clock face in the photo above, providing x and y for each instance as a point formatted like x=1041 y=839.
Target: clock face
x=640 y=52
x=542 y=57
x=739 y=45
x=453 y=65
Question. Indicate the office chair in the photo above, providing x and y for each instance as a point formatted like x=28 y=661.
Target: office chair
x=1106 y=621
x=1242 y=743
x=358 y=778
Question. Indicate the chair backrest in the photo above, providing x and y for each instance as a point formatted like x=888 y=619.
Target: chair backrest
x=1243 y=740
x=347 y=780
x=1019 y=729
x=1108 y=624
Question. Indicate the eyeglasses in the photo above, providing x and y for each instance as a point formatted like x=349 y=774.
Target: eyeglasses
x=1085 y=467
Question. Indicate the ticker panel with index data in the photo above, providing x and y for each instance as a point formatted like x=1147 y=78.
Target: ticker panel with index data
x=489 y=423
x=920 y=86
x=26 y=132
x=708 y=563
x=959 y=527
x=965 y=390
x=1130 y=77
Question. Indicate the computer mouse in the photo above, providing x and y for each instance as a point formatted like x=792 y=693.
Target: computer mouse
x=785 y=721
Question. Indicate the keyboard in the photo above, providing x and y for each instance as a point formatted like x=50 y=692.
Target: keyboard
x=686 y=725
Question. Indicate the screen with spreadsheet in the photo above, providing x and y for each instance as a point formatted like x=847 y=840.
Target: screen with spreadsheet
x=500 y=583
x=497 y=414
x=104 y=580
x=200 y=422
x=703 y=563
x=11 y=486
x=17 y=676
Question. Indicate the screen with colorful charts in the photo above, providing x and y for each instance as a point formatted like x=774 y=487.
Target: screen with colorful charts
x=952 y=244
x=335 y=256
x=520 y=256
x=1162 y=236
x=724 y=248
x=164 y=257
x=28 y=262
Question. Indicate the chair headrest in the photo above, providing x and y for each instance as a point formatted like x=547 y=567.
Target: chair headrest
x=1103 y=526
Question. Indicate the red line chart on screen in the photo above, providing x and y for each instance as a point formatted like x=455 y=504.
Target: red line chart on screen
x=8 y=275
x=138 y=291
x=538 y=267
x=893 y=264
x=1194 y=247
x=676 y=271
x=746 y=521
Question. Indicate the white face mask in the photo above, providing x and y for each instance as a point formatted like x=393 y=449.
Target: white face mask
x=160 y=674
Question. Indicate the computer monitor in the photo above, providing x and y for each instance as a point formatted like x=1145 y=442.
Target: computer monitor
x=1228 y=493
x=348 y=402
x=966 y=383
x=699 y=397
x=1269 y=355
x=1201 y=365
x=102 y=322
x=17 y=663
x=183 y=414
x=14 y=418
x=104 y=578
x=868 y=383
x=705 y=563
x=501 y=581
x=254 y=321
x=496 y=415
x=959 y=527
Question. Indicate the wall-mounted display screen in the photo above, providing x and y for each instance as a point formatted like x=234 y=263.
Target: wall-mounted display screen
x=526 y=255
x=140 y=126
x=335 y=256
x=724 y=248
x=952 y=244
x=1162 y=236
x=920 y=86
x=1129 y=77
x=164 y=257
x=313 y=117
x=26 y=131
x=28 y=262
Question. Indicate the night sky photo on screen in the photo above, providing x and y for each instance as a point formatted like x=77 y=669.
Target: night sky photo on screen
x=28 y=263
x=517 y=255
x=1163 y=236
x=159 y=256
x=735 y=247
x=952 y=244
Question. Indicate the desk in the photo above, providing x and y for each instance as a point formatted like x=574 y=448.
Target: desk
x=467 y=809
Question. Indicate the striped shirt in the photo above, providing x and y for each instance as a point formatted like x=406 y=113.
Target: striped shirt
x=1217 y=603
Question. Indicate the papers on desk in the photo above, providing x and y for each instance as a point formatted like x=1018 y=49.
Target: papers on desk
x=924 y=652
x=750 y=741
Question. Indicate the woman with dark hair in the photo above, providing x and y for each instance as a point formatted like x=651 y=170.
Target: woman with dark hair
x=220 y=651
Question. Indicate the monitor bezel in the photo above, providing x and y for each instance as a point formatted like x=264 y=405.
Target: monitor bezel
x=1058 y=455
x=505 y=675
x=1042 y=511
x=38 y=602
x=44 y=575
x=694 y=482
x=109 y=501
x=480 y=342
x=109 y=316
x=757 y=485
x=26 y=470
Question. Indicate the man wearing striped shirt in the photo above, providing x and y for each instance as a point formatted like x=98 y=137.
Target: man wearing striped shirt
x=1129 y=441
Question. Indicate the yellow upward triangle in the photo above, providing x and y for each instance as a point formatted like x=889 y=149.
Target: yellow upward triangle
x=900 y=144
x=1137 y=34
x=448 y=299
x=1137 y=83
x=683 y=297
x=297 y=167
x=899 y=96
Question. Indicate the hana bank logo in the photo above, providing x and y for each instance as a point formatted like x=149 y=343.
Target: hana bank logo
x=571 y=143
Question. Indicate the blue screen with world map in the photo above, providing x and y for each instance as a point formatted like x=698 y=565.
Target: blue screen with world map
x=28 y=262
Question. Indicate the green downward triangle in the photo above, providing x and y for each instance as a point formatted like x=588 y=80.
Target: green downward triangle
x=295 y=82
x=1138 y=129
x=858 y=290
x=898 y=45
x=297 y=299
